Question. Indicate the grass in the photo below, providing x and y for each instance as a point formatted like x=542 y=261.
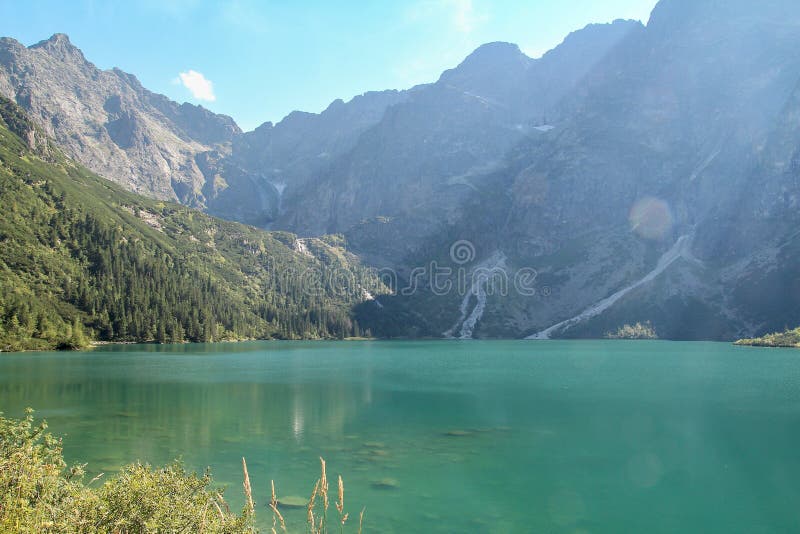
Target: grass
x=39 y=493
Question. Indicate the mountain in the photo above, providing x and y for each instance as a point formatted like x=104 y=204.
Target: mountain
x=416 y=165
x=274 y=163
x=151 y=145
x=633 y=174
x=683 y=114
x=83 y=259
x=665 y=191
x=109 y=122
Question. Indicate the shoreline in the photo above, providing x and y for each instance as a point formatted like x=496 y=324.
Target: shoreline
x=98 y=344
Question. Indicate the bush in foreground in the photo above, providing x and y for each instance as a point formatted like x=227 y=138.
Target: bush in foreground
x=39 y=493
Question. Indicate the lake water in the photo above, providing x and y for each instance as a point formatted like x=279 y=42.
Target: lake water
x=447 y=436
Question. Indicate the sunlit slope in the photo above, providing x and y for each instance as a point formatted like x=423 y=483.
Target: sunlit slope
x=82 y=259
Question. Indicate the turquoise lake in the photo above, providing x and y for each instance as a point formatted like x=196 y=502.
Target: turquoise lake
x=449 y=436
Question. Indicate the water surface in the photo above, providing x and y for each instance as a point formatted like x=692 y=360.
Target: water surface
x=494 y=436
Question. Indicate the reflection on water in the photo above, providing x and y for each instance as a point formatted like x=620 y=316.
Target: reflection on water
x=450 y=436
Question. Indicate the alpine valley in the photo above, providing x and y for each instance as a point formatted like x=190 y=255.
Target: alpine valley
x=637 y=174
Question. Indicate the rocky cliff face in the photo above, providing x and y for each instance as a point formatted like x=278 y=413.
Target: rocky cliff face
x=152 y=145
x=683 y=113
x=271 y=169
x=640 y=173
x=665 y=190
x=415 y=166
x=109 y=122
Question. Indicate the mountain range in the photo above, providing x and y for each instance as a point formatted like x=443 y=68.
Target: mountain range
x=634 y=173
x=82 y=260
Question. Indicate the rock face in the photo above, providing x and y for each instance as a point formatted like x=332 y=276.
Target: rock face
x=415 y=166
x=109 y=122
x=694 y=112
x=664 y=189
x=154 y=146
x=634 y=173
x=288 y=157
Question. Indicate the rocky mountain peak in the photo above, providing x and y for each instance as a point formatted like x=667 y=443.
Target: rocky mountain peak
x=495 y=51
x=9 y=43
x=60 y=47
x=490 y=58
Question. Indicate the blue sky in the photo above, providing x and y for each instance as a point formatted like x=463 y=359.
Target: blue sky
x=257 y=60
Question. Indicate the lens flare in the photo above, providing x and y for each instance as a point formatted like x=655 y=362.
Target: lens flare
x=651 y=218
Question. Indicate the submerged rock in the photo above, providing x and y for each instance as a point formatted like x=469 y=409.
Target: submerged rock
x=458 y=433
x=385 y=484
x=292 y=501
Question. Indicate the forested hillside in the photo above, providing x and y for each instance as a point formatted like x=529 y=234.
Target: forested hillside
x=81 y=259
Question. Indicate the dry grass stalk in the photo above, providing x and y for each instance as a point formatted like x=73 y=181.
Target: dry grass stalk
x=340 y=500
x=219 y=510
x=311 y=519
x=248 y=492
x=322 y=522
x=277 y=513
x=324 y=484
x=361 y=520
x=273 y=503
x=223 y=503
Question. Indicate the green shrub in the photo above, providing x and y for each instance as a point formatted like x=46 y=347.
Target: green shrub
x=144 y=499
x=40 y=494
x=37 y=491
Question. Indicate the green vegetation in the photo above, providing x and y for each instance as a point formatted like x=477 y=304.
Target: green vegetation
x=637 y=331
x=39 y=493
x=789 y=338
x=81 y=259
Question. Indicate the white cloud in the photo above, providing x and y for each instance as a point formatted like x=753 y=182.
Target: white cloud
x=200 y=87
